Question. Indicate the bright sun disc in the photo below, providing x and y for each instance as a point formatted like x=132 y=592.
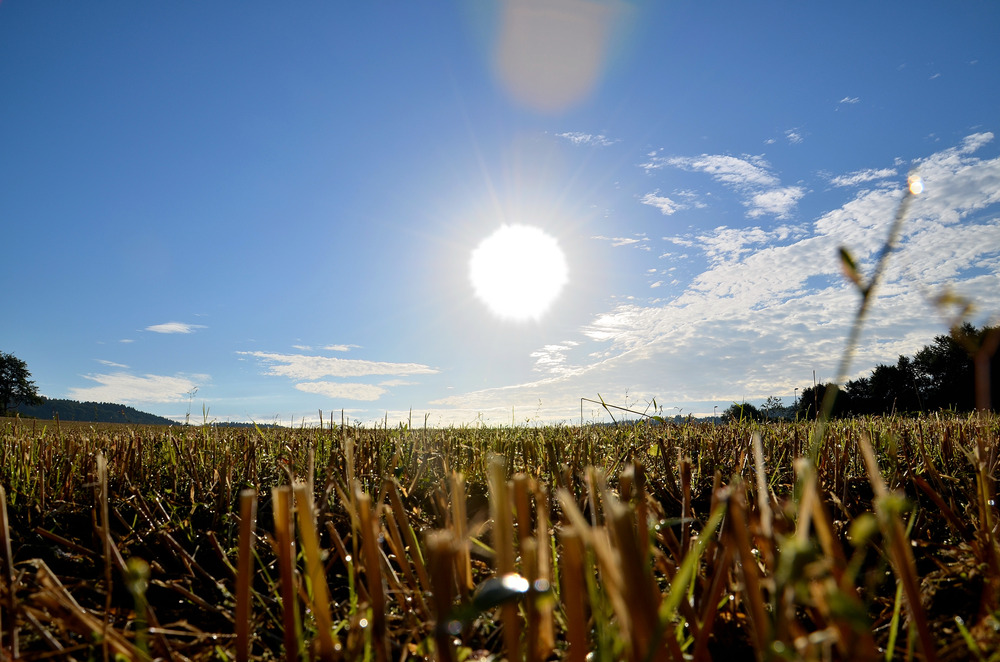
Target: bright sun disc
x=518 y=271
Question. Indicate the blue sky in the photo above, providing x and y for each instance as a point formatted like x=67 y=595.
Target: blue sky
x=263 y=211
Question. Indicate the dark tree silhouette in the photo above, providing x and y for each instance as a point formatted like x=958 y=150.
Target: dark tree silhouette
x=741 y=411
x=16 y=386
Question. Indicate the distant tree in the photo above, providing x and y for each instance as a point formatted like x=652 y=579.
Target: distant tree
x=16 y=386
x=947 y=369
x=893 y=389
x=811 y=401
x=942 y=375
x=774 y=408
x=741 y=411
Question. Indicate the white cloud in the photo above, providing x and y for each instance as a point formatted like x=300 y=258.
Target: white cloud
x=174 y=327
x=850 y=100
x=772 y=306
x=732 y=171
x=342 y=391
x=794 y=136
x=579 y=138
x=300 y=366
x=780 y=201
x=637 y=241
x=663 y=203
x=552 y=358
x=397 y=382
x=863 y=176
x=751 y=176
x=112 y=364
x=126 y=340
x=340 y=348
x=128 y=389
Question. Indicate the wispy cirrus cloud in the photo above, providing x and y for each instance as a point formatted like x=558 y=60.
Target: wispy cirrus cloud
x=343 y=391
x=127 y=388
x=112 y=364
x=639 y=240
x=751 y=176
x=849 y=100
x=663 y=203
x=309 y=371
x=580 y=138
x=302 y=366
x=340 y=348
x=863 y=176
x=174 y=327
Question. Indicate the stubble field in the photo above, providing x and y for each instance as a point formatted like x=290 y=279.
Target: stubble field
x=639 y=542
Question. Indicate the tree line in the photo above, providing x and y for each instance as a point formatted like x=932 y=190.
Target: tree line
x=958 y=372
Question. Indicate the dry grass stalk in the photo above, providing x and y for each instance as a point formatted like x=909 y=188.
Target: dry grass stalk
x=460 y=524
x=373 y=574
x=441 y=550
x=503 y=546
x=59 y=605
x=9 y=581
x=285 y=551
x=738 y=530
x=244 y=573
x=572 y=593
x=329 y=647
x=899 y=549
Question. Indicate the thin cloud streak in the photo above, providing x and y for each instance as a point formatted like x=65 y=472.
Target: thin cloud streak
x=130 y=389
x=345 y=391
x=301 y=366
x=174 y=327
x=773 y=307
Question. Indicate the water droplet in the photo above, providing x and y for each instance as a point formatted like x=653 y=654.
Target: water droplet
x=454 y=627
x=363 y=623
x=542 y=585
x=990 y=501
x=347 y=558
x=515 y=582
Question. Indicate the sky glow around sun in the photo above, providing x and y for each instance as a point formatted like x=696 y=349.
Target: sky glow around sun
x=518 y=272
x=484 y=210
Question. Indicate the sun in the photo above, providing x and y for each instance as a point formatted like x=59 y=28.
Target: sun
x=518 y=272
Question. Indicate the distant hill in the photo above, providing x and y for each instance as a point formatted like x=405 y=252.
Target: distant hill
x=90 y=412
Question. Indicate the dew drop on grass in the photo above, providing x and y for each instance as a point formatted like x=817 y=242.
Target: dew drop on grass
x=363 y=623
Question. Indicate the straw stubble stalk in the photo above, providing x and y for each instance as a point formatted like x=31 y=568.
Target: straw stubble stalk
x=643 y=602
x=460 y=522
x=5 y=547
x=546 y=641
x=899 y=549
x=284 y=539
x=373 y=573
x=573 y=594
x=503 y=544
x=244 y=573
x=738 y=529
x=441 y=551
x=329 y=647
